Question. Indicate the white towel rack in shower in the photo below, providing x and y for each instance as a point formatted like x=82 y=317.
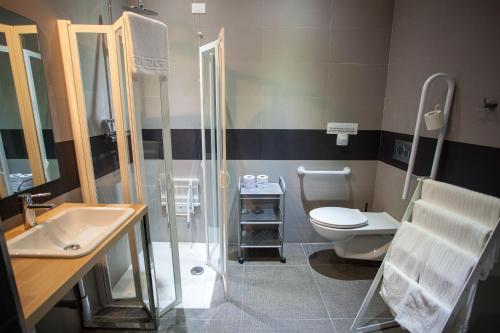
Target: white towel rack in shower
x=344 y=172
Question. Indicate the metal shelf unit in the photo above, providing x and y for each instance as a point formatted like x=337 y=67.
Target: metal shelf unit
x=261 y=218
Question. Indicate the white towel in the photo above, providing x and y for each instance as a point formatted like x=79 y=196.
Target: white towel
x=469 y=234
x=446 y=270
x=148 y=41
x=409 y=250
x=474 y=205
x=413 y=307
x=436 y=269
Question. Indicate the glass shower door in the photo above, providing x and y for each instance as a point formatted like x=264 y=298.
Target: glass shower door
x=214 y=153
x=128 y=120
x=148 y=126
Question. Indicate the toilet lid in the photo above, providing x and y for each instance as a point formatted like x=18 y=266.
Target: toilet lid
x=338 y=217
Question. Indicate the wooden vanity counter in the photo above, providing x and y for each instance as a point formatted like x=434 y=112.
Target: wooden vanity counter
x=42 y=282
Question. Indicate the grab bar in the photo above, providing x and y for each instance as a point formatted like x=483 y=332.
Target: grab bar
x=442 y=131
x=345 y=172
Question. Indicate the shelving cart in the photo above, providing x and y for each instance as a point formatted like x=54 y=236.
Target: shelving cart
x=261 y=217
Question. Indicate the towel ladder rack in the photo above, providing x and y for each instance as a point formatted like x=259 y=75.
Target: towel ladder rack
x=466 y=294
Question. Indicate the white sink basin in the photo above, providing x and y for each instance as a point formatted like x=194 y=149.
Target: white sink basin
x=74 y=232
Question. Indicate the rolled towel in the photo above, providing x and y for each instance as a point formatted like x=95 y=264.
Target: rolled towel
x=248 y=181
x=262 y=179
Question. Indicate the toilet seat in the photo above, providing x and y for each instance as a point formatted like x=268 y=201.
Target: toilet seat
x=338 y=217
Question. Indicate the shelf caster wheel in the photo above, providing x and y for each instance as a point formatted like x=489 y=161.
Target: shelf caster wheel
x=283 y=260
x=241 y=260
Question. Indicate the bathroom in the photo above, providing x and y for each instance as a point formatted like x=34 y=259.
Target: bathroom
x=290 y=68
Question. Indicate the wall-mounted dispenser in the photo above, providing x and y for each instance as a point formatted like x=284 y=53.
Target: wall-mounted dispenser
x=343 y=130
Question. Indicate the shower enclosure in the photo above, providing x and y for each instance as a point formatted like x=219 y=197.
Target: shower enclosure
x=127 y=162
x=121 y=129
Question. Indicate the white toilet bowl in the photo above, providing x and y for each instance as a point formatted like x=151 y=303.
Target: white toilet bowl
x=354 y=234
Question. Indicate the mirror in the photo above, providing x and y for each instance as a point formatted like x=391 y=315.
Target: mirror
x=27 y=149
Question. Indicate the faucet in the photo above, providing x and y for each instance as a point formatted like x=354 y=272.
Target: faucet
x=26 y=201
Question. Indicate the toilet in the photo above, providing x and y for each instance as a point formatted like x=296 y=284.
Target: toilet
x=355 y=234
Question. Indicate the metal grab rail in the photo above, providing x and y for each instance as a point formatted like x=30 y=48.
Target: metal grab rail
x=442 y=132
x=344 y=172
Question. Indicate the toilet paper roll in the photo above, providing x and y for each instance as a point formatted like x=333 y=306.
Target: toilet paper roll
x=434 y=120
x=248 y=181
x=262 y=180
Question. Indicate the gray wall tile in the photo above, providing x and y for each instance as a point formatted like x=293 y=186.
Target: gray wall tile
x=296 y=13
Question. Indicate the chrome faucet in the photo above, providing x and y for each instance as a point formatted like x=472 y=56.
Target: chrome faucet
x=26 y=201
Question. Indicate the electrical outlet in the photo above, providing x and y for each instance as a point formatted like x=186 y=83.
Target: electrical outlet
x=402 y=150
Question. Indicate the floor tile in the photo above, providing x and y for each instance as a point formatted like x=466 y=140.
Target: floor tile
x=189 y=325
x=284 y=292
x=286 y=326
x=344 y=326
x=324 y=254
x=293 y=253
x=311 y=248
x=344 y=297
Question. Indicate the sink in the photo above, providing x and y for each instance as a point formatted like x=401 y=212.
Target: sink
x=75 y=232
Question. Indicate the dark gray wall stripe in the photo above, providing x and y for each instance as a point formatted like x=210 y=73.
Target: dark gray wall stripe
x=15 y=147
x=277 y=144
x=471 y=166
x=69 y=180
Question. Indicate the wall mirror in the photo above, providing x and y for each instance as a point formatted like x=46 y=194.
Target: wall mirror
x=27 y=150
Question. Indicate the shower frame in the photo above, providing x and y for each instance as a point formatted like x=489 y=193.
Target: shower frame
x=217 y=112
x=74 y=83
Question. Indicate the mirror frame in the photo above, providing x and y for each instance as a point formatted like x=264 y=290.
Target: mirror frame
x=64 y=150
x=16 y=57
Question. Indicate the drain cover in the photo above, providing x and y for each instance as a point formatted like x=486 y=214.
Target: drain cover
x=72 y=247
x=197 y=270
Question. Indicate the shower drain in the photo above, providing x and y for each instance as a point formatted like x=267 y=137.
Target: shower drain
x=72 y=247
x=197 y=270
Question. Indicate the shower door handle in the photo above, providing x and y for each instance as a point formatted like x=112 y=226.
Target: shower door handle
x=164 y=194
x=225 y=179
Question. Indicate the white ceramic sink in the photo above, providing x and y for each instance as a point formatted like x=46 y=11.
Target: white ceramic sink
x=74 y=232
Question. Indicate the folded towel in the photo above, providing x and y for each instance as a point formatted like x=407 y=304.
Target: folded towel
x=468 y=234
x=413 y=307
x=437 y=270
x=446 y=270
x=409 y=250
x=148 y=41
x=474 y=205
